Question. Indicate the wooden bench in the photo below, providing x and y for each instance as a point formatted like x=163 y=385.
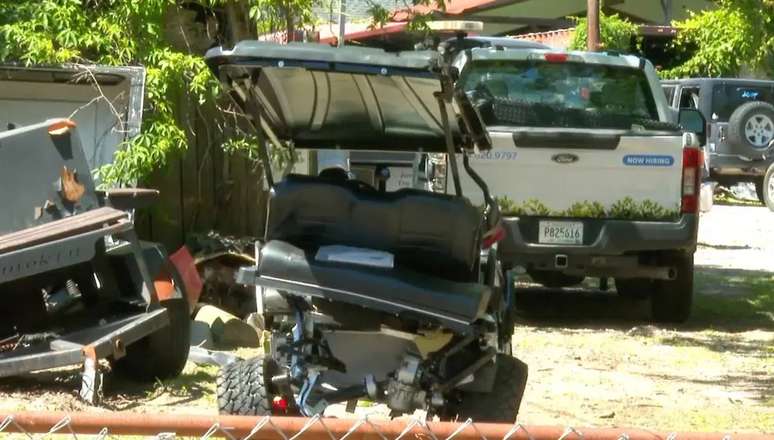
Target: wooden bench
x=86 y=222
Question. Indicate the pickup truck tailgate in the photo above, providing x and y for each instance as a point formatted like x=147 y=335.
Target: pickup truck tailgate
x=597 y=174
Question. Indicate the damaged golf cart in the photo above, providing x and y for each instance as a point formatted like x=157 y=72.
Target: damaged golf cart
x=76 y=284
x=392 y=297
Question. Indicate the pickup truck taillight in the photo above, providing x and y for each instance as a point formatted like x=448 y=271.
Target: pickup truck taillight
x=692 y=162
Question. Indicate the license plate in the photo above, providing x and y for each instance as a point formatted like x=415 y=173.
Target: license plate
x=561 y=232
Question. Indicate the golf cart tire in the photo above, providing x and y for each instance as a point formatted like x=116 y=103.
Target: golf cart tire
x=671 y=300
x=162 y=354
x=736 y=128
x=767 y=188
x=501 y=405
x=244 y=388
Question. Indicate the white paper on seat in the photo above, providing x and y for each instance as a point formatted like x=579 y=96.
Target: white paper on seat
x=355 y=255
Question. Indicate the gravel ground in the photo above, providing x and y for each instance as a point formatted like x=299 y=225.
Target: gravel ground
x=737 y=237
x=594 y=358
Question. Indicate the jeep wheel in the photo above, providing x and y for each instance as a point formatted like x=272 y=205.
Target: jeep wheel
x=501 y=405
x=767 y=195
x=751 y=129
x=672 y=299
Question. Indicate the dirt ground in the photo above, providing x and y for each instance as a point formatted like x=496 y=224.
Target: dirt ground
x=594 y=358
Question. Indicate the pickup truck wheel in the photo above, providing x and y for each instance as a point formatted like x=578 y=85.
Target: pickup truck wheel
x=672 y=299
x=501 y=405
x=767 y=193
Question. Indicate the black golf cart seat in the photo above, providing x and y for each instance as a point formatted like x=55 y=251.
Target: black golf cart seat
x=434 y=238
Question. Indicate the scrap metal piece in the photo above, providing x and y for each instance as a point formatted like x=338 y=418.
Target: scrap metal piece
x=91 y=378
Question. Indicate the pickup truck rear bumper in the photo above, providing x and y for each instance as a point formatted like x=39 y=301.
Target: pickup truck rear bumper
x=605 y=242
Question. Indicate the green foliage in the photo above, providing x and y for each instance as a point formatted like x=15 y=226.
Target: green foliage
x=586 y=209
x=615 y=33
x=721 y=41
x=121 y=32
x=626 y=208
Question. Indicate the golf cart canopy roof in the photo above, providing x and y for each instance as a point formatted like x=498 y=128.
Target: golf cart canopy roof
x=321 y=97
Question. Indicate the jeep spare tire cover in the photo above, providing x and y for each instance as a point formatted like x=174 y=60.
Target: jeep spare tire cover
x=751 y=129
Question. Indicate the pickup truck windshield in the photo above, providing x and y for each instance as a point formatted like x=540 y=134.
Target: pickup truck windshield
x=568 y=95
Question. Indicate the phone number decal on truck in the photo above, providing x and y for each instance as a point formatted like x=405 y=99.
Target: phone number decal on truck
x=496 y=155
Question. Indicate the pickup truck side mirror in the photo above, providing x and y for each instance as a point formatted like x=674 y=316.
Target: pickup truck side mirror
x=692 y=120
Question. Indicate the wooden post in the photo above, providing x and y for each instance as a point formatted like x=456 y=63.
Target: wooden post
x=592 y=17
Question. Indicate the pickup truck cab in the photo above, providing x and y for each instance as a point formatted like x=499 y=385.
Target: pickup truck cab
x=593 y=172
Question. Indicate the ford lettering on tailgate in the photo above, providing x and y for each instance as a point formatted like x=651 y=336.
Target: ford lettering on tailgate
x=648 y=160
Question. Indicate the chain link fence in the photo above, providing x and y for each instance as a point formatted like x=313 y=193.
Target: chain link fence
x=106 y=425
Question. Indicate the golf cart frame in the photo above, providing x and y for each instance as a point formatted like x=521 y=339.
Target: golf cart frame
x=441 y=294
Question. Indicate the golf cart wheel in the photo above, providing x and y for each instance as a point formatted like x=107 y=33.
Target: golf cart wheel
x=672 y=299
x=751 y=129
x=245 y=389
x=768 y=188
x=501 y=405
x=163 y=354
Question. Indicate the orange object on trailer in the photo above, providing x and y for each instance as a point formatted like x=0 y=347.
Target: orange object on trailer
x=186 y=267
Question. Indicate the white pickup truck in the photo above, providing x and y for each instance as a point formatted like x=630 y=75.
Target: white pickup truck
x=595 y=174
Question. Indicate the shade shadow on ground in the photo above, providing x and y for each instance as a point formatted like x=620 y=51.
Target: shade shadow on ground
x=731 y=300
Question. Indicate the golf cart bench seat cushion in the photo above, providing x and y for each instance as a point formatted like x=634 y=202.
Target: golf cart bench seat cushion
x=285 y=266
x=428 y=232
x=62 y=228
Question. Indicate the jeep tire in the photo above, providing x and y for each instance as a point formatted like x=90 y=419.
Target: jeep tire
x=767 y=188
x=751 y=129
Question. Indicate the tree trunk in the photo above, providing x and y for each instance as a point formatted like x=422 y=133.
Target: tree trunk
x=289 y=22
x=592 y=15
x=239 y=26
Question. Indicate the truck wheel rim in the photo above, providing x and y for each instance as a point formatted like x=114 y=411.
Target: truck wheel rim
x=771 y=190
x=759 y=130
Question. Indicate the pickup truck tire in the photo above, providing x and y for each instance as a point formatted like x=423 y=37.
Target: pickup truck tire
x=767 y=190
x=501 y=405
x=751 y=129
x=672 y=299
